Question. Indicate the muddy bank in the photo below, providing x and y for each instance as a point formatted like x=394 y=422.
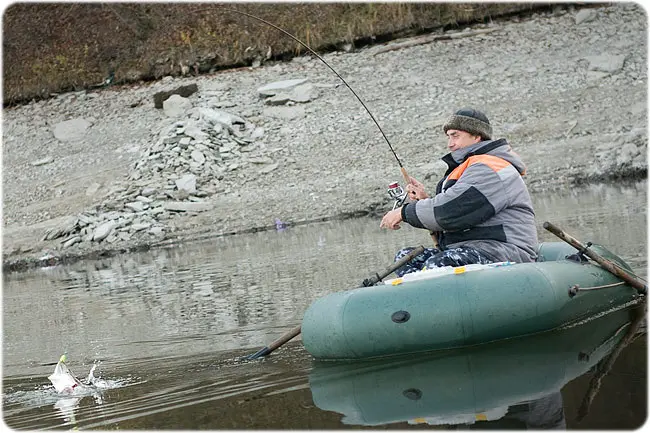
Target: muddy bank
x=96 y=173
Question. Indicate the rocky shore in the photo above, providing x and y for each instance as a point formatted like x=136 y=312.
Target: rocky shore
x=96 y=173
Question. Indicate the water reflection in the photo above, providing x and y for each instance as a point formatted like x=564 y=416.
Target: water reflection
x=515 y=383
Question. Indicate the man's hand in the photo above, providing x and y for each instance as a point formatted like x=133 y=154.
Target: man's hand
x=392 y=220
x=416 y=190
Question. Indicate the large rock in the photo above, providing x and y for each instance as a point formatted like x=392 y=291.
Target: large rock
x=187 y=183
x=627 y=153
x=184 y=91
x=103 y=230
x=176 y=106
x=585 y=15
x=198 y=156
x=71 y=130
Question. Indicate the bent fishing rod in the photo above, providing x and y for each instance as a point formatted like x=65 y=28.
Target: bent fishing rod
x=308 y=48
x=394 y=191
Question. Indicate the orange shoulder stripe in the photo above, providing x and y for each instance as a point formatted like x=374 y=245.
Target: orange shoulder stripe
x=494 y=162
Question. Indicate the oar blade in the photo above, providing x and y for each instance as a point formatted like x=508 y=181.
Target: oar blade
x=260 y=353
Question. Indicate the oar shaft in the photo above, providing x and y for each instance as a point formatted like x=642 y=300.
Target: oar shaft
x=610 y=266
x=392 y=268
x=275 y=344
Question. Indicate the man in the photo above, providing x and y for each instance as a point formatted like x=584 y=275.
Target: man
x=481 y=212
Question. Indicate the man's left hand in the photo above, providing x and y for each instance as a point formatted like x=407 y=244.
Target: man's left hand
x=392 y=220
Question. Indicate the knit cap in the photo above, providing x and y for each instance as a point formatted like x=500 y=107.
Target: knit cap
x=470 y=120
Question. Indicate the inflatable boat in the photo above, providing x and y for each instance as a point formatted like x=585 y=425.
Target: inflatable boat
x=515 y=381
x=449 y=307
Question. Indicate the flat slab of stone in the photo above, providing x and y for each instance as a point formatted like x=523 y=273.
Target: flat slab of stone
x=606 y=63
x=220 y=117
x=198 y=157
x=186 y=206
x=195 y=132
x=268 y=168
x=136 y=206
x=274 y=88
x=70 y=130
x=140 y=226
x=43 y=161
x=304 y=93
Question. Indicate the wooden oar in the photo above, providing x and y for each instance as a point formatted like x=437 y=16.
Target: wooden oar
x=366 y=283
x=608 y=265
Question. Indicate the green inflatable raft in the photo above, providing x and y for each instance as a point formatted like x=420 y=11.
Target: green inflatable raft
x=496 y=381
x=455 y=307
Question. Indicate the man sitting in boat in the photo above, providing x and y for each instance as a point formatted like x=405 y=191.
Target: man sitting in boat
x=481 y=212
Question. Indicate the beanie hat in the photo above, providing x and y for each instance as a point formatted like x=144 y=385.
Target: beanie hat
x=470 y=120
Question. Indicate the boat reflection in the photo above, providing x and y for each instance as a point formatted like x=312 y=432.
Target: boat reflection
x=515 y=381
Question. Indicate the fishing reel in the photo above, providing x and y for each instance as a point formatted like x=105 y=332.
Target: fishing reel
x=397 y=193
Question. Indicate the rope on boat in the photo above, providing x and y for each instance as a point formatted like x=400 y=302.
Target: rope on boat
x=573 y=290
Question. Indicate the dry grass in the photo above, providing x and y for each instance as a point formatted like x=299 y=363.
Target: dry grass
x=56 y=47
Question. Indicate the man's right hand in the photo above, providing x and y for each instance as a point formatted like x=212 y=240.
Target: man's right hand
x=415 y=189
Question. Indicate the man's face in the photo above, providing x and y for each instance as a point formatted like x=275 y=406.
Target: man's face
x=459 y=139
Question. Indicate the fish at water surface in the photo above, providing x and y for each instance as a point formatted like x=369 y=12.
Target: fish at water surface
x=65 y=382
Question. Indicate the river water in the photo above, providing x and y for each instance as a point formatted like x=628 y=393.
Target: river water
x=168 y=328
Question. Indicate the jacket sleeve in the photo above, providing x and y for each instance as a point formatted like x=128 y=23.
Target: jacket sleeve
x=477 y=196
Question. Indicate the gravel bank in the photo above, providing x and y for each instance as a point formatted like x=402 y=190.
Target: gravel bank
x=95 y=173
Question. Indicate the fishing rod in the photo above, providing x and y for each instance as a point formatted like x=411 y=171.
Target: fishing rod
x=308 y=48
x=394 y=190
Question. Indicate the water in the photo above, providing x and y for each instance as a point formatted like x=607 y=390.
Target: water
x=169 y=327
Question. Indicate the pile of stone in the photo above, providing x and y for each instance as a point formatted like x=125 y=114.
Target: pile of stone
x=625 y=155
x=181 y=169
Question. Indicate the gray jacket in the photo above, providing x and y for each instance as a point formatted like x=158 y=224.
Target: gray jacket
x=481 y=202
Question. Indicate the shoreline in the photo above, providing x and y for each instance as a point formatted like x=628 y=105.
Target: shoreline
x=25 y=262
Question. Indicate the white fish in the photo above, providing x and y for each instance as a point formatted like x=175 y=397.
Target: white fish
x=65 y=382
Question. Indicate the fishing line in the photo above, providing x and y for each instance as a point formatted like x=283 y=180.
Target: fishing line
x=332 y=69
x=405 y=175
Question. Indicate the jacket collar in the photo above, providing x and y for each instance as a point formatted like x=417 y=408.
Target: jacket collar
x=457 y=157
